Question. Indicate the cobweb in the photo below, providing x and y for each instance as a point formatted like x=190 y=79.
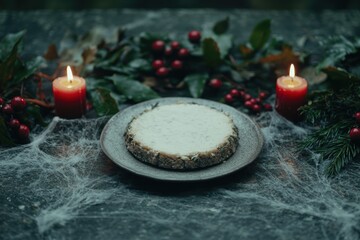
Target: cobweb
x=61 y=186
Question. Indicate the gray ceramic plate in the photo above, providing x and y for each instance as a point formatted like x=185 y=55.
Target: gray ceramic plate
x=113 y=144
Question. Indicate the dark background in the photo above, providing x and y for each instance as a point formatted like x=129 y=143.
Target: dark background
x=153 y=4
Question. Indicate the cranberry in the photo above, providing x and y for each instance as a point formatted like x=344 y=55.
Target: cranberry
x=258 y=100
x=256 y=108
x=157 y=64
x=1 y=101
x=194 y=36
x=355 y=134
x=267 y=107
x=183 y=52
x=23 y=131
x=158 y=46
x=162 y=72
x=242 y=93
x=215 y=83
x=253 y=101
x=175 y=45
x=168 y=52
x=357 y=117
x=7 y=109
x=229 y=98
x=262 y=95
x=18 y=103
x=235 y=93
x=248 y=104
x=247 y=97
x=177 y=64
x=14 y=123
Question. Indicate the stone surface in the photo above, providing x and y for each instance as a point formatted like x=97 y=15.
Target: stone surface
x=61 y=186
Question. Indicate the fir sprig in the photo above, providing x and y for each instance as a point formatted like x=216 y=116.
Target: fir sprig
x=331 y=112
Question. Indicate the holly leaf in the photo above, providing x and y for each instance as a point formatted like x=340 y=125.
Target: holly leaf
x=8 y=65
x=337 y=49
x=211 y=52
x=103 y=102
x=196 y=84
x=339 y=78
x=221 y=26
x=26 y=70
x=8 y=43
x=260 y=34
x=133 y=89
x=140 y=64
x=5 y=139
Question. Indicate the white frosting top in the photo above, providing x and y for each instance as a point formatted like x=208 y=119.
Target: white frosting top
x=182 y=129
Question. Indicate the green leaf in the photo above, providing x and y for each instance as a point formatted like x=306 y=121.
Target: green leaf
x=24 y=71
x=8 y=43
x=5 y=139
x=133 y=89
x=225 y=44
x=103 y=102
x=7 y=67
x=260 y=34
x=196 y=84
x=211 y=52
x=221 y=26
x=140 y=64
x=339 y=78
x=336 y=50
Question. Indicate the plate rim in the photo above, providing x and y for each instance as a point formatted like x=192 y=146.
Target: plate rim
x=251 y=159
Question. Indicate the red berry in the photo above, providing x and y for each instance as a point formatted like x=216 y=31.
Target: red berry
x=253 y=101
x=235 y=93
x=177 y=64
x=175 y=45
x=88 y=106
x=14 y=123
x=247 y=97
x=262 y=95
x=158 y=46
x=267 y=107
x=229 y=98
x=357 y=117
x=215 y=83
x=256 y=108
x=355 y=134
x=194 y=36
x=1 y=101
x=248 y=104
x=168 y=52
x=157 y=64
x=7 y=109
x=162 y=72
x=23 y=131
x=242 y=93
x=18 y=103
x=258 y=100
x=183 y=52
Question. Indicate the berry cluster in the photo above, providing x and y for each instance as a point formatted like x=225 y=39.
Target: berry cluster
x=355 y=131
x=11 y=112
x=256 y=105
x=173 y=54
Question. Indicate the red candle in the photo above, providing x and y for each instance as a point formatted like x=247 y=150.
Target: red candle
x=69 y=95
x=290 y=95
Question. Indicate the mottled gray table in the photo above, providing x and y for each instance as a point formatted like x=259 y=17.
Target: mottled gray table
x=61 y=186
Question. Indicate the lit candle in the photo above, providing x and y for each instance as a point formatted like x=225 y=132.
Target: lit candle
x=69 y=95
x=290 y=95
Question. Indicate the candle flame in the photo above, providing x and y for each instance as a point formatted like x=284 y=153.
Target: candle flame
x=292 y=71
x=69 y=74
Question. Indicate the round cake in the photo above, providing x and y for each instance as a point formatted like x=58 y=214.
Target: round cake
x=182 y=136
